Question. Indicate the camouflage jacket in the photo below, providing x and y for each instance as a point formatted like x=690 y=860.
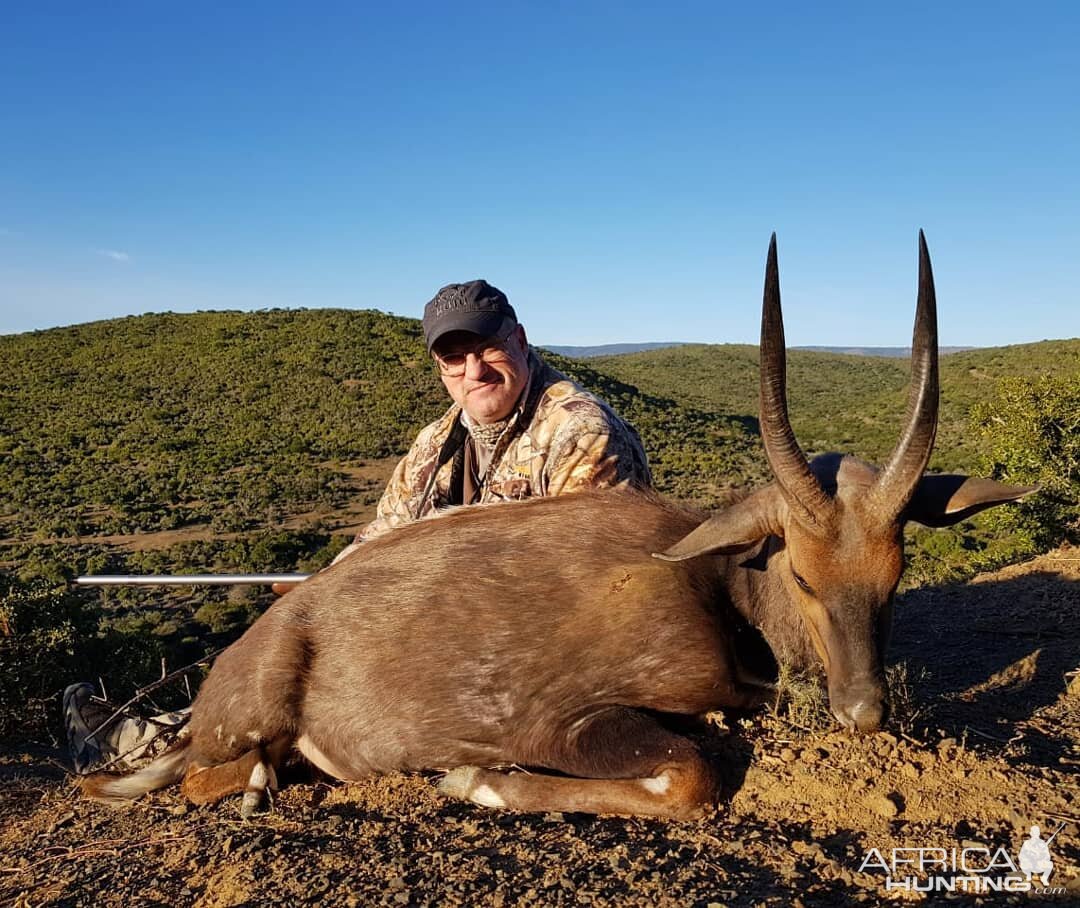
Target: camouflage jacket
x=560 y=439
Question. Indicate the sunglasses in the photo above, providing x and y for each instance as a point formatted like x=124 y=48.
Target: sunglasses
x=491 y=350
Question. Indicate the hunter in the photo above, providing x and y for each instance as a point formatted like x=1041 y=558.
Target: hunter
x=517 y=428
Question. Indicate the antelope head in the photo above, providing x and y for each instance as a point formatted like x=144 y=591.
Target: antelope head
x=835 y=524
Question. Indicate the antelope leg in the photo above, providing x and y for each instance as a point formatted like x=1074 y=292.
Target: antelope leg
x=625 y=763
x=249 y=773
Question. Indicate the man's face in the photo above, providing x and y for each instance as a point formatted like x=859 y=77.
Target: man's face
x=484 y=375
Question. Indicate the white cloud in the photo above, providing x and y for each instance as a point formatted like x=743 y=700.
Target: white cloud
x=114 y=254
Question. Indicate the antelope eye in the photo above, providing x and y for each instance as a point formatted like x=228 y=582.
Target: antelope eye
x=803 y=585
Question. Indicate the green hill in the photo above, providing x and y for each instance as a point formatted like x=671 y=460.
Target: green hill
x=840 y=402
x=161 y=421
x=232 y=419
x=155 y=421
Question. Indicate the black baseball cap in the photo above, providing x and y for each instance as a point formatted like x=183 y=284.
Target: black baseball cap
x=476 y=306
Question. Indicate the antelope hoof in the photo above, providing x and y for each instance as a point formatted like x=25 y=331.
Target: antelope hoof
x=251 y=802
x=470 y=783
x=459 y=783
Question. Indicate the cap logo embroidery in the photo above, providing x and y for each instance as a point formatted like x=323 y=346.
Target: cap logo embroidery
x=449 y=300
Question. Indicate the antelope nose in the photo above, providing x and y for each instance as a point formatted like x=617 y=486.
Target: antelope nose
x=863 y=715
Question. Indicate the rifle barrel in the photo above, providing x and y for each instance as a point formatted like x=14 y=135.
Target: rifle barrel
x=187 y=579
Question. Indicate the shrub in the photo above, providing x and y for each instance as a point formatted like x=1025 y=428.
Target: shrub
x=1031 y=434
x=51 y=636
x=44 y=632
x=226 y=617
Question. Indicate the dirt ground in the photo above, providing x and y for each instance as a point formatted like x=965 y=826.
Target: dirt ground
x=985 y=743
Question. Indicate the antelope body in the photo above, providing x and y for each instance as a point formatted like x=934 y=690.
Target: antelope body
x=548 y=634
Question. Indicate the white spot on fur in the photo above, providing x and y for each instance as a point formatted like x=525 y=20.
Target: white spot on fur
x=485 y=796
x=254 y=737
x=219 y=731
x=231 y=742
x=657 y=785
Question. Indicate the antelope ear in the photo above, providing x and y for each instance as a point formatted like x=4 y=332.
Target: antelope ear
x=734 y=529
x=942 y=499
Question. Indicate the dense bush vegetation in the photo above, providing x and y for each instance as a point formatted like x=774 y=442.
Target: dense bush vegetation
x=1032 y=435
x=159 y=421
x=1028 y=434
x=844 y=403
x=43 y=630
x=52 y=634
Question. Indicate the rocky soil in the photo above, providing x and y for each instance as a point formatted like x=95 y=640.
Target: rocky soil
x=985 y=742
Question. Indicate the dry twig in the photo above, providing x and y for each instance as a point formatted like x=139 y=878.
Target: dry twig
x=161 y=682
x=65 y=853
x=983 y=734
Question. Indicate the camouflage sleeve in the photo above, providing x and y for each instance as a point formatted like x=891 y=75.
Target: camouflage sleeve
x=595 y=451
x=393 y=508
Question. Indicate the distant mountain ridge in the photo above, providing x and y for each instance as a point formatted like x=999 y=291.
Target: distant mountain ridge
x=586 y=352
x=159 y=422
x=609 y=349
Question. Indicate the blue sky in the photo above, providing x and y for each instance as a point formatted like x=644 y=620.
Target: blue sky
x=616 y=168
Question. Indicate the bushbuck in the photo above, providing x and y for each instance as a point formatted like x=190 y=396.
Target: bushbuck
x=547 y=634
